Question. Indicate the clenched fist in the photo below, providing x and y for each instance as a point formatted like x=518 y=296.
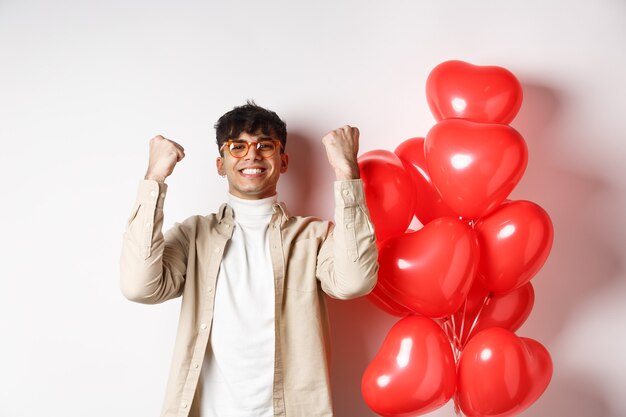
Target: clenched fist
x=342 y=146
x=164 y=154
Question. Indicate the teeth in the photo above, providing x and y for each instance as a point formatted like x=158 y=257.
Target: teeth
x=252 y=171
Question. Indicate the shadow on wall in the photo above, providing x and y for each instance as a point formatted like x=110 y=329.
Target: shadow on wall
x=571 y=395
x=583 y=261
x=307 y=186
x=358 y=329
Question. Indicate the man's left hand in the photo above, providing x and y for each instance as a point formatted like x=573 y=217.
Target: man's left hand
x=342 y=146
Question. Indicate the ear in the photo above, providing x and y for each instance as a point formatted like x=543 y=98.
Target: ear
x=284 y=162
x=219 y=164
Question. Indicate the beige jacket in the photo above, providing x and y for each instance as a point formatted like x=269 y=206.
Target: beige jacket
x=310 y=257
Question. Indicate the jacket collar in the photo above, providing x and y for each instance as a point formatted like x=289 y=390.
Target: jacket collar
x=281 y=209
x=225 y=212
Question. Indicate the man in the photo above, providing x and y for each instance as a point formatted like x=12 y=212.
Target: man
x=253 y=339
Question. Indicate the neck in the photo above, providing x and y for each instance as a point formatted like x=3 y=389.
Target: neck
x=260 y=207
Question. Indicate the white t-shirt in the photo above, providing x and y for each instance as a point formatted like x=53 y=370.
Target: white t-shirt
x=238 y=372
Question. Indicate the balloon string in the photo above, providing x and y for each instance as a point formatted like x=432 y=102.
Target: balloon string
x=460 y=342
x=480 y=310
x=461 y=339
x=457 y=340
x=447 y=325
x=457 y=408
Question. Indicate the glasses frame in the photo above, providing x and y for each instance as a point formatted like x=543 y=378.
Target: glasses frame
x=277 y=143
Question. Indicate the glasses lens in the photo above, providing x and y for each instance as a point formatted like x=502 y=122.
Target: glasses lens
x=266 y=148
x=238 y=149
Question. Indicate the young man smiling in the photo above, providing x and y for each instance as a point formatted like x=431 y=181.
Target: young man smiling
x=253 y=337
x=251 y=177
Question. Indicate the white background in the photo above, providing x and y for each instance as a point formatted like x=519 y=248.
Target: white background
x=84 y=85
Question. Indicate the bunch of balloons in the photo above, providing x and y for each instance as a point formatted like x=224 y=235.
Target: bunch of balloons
x=462 y=281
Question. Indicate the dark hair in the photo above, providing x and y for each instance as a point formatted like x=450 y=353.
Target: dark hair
x=249 y=118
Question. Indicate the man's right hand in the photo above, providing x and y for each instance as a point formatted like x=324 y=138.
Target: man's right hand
x=164 y=154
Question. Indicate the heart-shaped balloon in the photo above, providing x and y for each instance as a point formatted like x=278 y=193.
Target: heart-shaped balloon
x=474 y=166
x=413 y=372
x=389 y=192
x=430 y=271
x=429 y=204
x=484 y=310
x=382 y=300
x=500 y=374
x=486 y=94
x=515 y=241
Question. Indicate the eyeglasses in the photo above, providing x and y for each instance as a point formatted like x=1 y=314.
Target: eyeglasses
x=240 y=148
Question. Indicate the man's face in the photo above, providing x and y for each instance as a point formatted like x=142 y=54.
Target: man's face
x=252 y=177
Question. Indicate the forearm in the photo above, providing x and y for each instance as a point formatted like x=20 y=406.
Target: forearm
x=354 y=269
x=145 y=276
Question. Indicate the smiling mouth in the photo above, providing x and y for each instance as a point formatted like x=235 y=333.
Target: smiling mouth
x=252 y=171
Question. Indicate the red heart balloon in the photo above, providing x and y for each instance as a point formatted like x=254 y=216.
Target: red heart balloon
x=515 y=241
x=430 y=271
x=484 y=310
x=413 y=372
x=389 y=192
x=486 y=94
x=383 y=301
x=474 y=166
x=500 y=374
x=429 y=204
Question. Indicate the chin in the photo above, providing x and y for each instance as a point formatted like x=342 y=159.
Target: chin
x=254 y=193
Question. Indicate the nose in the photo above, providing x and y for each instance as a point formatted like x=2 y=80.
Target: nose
x=252 y=154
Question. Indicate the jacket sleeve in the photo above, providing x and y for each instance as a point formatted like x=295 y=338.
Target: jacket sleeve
x=347 y=264
x=152 y=266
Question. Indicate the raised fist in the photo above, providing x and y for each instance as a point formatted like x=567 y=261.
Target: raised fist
x=342 y=146
x=164 y=154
